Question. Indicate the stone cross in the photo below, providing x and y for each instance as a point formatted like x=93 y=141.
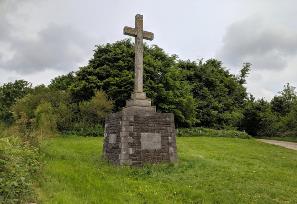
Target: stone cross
x=138 y=134
x=139 y=35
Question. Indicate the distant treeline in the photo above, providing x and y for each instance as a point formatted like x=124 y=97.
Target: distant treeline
x=199 y=93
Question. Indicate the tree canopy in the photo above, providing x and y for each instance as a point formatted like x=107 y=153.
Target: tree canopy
x=9 y=94
x=199 y=93
x=112 y=70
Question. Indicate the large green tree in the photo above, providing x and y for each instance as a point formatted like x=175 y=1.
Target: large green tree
x=62 y=82
x=258 y=118
x=9 y=94
x=282 y=104
x=198 y=93
x=220 y=96
x=112 y=70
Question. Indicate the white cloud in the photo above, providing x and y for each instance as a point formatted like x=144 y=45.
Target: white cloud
x=28 y=47
x=57 y=47
x=38 y=78
x=267 y=38
x=264 y=45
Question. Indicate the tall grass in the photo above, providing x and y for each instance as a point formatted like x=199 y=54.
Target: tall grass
x=209 y=170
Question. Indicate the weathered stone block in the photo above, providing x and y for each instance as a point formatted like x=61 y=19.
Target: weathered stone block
x=150 y=141
x=139 y=102
x=149 y=137
x=112 y=138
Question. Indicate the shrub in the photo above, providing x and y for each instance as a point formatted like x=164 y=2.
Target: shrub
x=83 y=129
x=19 y=164
x=9 y=94
x=39 y=95
x=23 y=127
x=43 y=111
x=46 y=125
x=66 y=116
x=199 y=132
x=95 y=110
x=258 y=119
x=91 y=116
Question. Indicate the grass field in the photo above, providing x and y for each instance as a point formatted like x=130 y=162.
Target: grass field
x=210 y=170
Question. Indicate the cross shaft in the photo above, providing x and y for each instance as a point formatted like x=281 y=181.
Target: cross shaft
x=139 y=35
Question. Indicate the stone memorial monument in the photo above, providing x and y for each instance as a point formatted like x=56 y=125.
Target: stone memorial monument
x=138 y=134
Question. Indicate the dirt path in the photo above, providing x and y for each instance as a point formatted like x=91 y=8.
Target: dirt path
x=289 y=145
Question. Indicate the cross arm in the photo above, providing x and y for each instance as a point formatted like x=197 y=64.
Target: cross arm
x=148 y=35
x=130 y=31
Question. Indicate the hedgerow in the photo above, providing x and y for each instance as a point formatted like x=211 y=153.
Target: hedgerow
x=19 y=165
x=206 y=132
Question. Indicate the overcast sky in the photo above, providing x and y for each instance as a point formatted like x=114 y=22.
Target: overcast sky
x=41 y=39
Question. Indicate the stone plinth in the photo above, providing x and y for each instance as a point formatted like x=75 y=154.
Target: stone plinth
x=138 y=135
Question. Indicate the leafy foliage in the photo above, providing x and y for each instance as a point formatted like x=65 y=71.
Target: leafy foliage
x=95 y=110
x=9 y=94
x=48 y=110
x=283 y=103
x=92 y=114
x=277 y=118
x=219 y=95
x=112 y=70
x=258 y=119
x=206 y=132
x=19 y=165
x=42 y=111
x=63 y=82
x=46 y=122
x=199 y=93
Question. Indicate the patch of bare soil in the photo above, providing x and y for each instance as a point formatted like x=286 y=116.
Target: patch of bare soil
x=289 y=145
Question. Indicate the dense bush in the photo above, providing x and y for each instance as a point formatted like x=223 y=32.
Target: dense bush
x=19 y=165
x=45 y=120
x=219 y=95
x=9 y=94
x=37 y=114
x=206 y=132
x=270 y=119
x=83 y=129
x=29 y=103
x=47 y=111
x=259 y=120
x=94 y=111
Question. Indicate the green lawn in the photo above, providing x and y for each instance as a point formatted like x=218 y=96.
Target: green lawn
x=210 y=170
